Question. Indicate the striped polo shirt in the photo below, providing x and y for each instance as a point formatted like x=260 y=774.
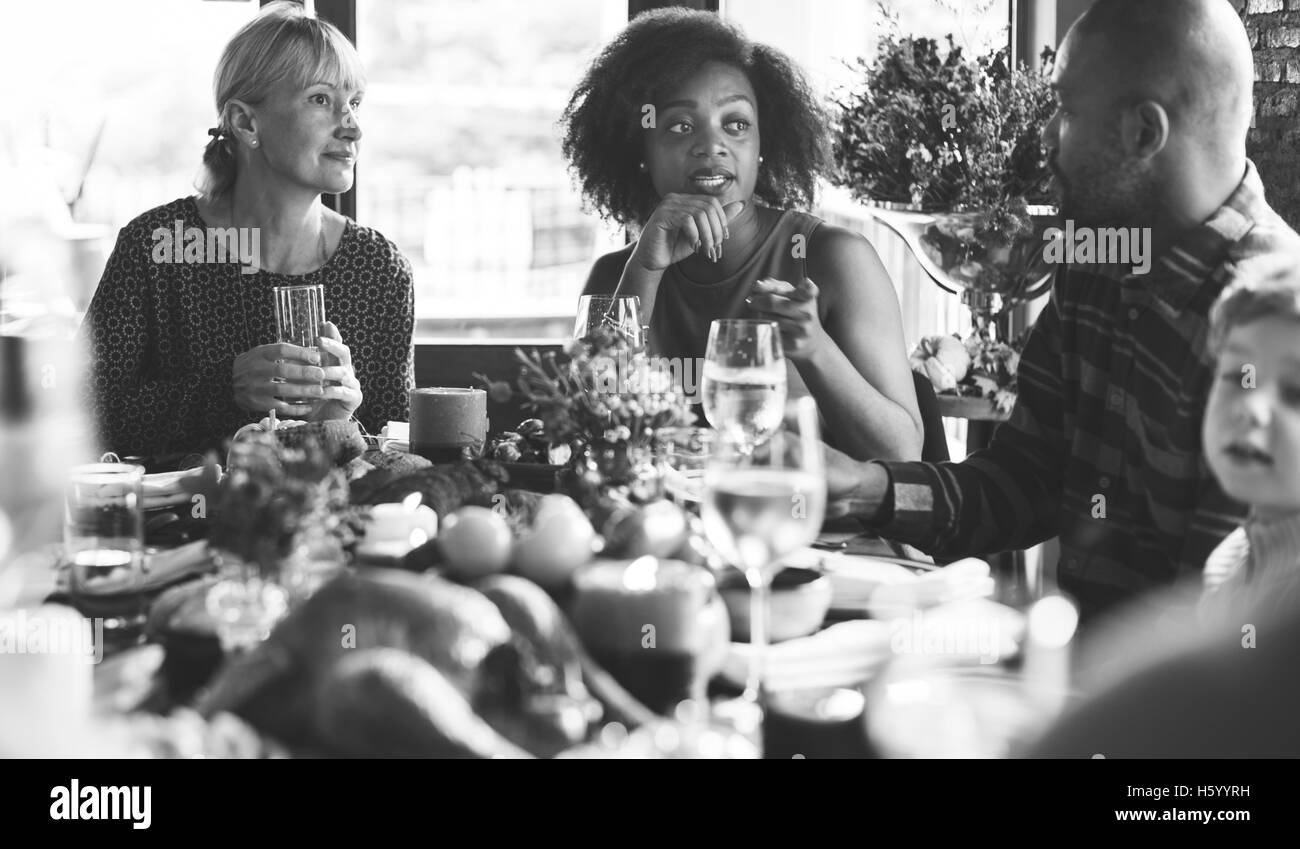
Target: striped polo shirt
x=1103 y=448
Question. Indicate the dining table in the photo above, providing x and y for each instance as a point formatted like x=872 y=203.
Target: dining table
x=818 y=714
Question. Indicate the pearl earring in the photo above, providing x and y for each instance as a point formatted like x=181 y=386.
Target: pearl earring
x=642 y=166
x=253 y=142
x=760 y=160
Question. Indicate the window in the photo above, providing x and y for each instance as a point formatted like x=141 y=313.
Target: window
x=461 y=163
x=825 y=35
x=106 y=115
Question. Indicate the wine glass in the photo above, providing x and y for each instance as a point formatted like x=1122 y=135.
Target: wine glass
x=622 y=312
x=744 y=381
x=760 y=506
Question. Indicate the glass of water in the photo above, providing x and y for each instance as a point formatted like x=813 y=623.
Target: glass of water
x=759 y=507
x=744 y=381
x=684 y=452
x=103 y=535
x=299 y=313
x=622 y=312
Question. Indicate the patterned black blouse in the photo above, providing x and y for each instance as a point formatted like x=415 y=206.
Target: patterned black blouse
x=163 y=336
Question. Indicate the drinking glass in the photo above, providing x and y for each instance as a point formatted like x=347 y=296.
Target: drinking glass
x=684 y=452
x=761 y=506
x=103 y=535
x=299 y=313
x=744 y=381
x=622 y=312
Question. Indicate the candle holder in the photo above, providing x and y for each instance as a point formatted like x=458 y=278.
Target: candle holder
x=658 y=626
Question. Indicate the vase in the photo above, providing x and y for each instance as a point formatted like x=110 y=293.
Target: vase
x=317 y=557
x=622 y=468
x=992 y=274
x=245 y=604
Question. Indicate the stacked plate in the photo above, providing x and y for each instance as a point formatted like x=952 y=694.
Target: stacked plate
x=167 y=489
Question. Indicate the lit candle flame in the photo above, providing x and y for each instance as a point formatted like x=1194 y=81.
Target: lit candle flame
x=641 y=574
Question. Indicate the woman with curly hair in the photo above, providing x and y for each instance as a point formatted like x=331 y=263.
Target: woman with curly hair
x=709 y=144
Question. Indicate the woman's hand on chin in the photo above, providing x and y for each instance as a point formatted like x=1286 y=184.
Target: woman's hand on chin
x=794 y=309
x=683 y=225
x=342 y=391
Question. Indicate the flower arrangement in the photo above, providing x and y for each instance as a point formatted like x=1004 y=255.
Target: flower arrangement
x=959 y=139
x=597 y=390
x=973 y=368
x=941 y=132
x=271 y=494
x=992 y=372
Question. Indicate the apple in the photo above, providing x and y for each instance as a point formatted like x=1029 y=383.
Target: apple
x=475 y=541
x=658 y=529
x=560 y=540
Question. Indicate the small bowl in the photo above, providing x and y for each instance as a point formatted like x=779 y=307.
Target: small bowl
x=797 y=603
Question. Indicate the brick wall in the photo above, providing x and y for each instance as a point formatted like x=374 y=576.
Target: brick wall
x=1274 y=143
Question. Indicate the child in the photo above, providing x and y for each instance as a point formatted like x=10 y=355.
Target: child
x=1251 y=439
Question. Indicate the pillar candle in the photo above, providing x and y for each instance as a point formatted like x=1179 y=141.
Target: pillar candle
x=446 y=420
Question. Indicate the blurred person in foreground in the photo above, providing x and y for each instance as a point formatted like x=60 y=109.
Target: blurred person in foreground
x=710 y=145
x=1103 y=448
x=184 y=353
x=1208 y=668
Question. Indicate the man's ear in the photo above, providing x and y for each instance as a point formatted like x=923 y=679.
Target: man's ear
x=1144 y=129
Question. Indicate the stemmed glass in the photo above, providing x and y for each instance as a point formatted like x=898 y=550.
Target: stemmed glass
x=622 y=312
x=760 y=506
x=744 y=381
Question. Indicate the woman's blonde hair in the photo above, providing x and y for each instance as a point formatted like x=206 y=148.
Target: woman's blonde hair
x=282 y=44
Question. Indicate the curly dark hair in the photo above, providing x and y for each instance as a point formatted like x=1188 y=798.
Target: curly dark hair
x=657 y=52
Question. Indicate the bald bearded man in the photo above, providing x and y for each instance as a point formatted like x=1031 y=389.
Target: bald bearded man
x=1103 y=448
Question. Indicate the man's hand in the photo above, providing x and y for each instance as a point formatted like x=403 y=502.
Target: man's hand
x=853 y=487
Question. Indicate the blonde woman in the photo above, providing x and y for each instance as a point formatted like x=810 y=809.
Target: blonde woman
x=182 y=332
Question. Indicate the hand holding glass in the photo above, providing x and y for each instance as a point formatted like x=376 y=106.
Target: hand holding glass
x=299 y=315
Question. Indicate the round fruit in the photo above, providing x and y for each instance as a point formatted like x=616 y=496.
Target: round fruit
x=659 y=529
x=475 y=541
x=560 y=540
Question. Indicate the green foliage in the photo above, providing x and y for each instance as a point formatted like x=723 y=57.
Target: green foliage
x=930 y=127
x=271 y=493
x=596 y=390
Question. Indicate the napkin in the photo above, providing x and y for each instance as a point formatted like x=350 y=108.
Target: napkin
x=884 y=589
x=397 y=437
x=842 y=655
x=167 y=489
x=965 y=579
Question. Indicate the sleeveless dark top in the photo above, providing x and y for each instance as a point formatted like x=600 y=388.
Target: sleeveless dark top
x=684 y=309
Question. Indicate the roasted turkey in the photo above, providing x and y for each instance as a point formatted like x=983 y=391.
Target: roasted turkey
x=387 y=663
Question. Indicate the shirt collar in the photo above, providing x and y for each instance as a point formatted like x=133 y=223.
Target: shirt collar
x=1194 y=256
x=1274 y=545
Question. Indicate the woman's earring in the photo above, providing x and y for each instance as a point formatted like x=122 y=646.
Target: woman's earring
x=760 y=160
x=643 y=166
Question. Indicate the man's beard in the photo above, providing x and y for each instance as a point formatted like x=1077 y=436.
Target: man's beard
x=1106 y=192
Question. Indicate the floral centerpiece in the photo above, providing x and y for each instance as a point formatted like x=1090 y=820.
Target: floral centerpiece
x=279 y=526
x=957 y=142
x=606 y=401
